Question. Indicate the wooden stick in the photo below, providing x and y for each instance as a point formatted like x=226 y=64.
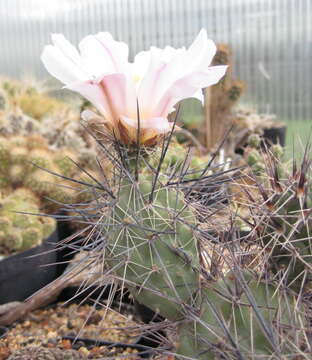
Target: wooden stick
x=208 y=127
x=42 y=297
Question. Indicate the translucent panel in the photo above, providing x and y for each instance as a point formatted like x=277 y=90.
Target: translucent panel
x=271 y=39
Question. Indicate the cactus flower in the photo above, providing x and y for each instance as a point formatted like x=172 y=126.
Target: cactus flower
x=154 y=83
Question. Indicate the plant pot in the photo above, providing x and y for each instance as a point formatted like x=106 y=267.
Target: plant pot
x=22 y=274
x=275 y=135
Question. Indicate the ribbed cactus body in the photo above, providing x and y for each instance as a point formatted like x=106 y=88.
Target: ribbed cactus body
x=4 y=156
x=23 y=160
x=41 y=157
x=19 y=154
x=227 y=309
x=20 y=231
x=288 y=233
x=152 y=246
x=64 y=162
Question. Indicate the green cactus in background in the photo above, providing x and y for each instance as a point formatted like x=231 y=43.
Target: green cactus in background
x=256 y=157
x=22 y=163
x=22 y=231
x=41 y=157
x=286 y=220
x=4 y=155
x=65 y=161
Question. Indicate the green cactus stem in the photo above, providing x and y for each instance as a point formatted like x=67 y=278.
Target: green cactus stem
x=153 y=250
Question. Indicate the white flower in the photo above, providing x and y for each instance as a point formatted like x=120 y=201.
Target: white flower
x=156 y=81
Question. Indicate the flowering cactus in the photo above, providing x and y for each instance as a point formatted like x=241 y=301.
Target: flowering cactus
x=156 y=81
x=145 y=228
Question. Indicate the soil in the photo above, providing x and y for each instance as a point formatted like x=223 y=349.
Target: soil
x=45 y=328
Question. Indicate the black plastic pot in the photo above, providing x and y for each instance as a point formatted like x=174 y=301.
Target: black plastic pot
x=271 y=136
x=24 y=273
x=275 y=135
x=3 y=331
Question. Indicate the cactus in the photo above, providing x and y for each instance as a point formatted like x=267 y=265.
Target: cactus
x=28 y=110
x=149 y=236
x=253 y=317
x=65 y=161
x=41 y=157
x=256 y=157
x=286 y=221
x=37 y=105
x=152 y=251
x=22 y=160
x=4 y=154
x=22 y=231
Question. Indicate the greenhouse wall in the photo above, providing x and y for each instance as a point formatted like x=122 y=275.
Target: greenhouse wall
x=271 y=39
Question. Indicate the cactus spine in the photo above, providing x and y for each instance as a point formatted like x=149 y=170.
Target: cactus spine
x=152 y=245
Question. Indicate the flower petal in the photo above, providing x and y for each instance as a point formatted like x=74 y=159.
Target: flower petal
x=187 y=87
x=113 y=95
x=140 y=65
x=61 y=66
x=150 y=130
x=169 y=65
x=101 y=54
x=163 y=71
x=66 y=48
x=93 y=92
x=200 y=53
x=91 y=116
x=159 y=124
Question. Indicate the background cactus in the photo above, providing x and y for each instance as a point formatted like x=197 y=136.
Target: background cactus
x=22 y=231
x=284 y=208
x=28 y=109
x=23 y=159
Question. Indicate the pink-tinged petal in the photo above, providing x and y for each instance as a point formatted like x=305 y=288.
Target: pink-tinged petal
x=187 y=86
x=163 y=71
x=112 y=95
x=199 y=95
x=120 y=92
x=93 y=92
x=168 y=65
x=103 y=55
x=140 y=65
x=91 y=116
x=119 y=50
x=150 y=130
x=66 y=48
x=201 y=52
x=61 y=66
x=158 y=124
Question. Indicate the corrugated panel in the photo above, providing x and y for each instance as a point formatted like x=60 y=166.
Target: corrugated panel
x=271 y=39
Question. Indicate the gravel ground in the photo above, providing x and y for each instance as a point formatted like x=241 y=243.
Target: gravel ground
x=45 y=328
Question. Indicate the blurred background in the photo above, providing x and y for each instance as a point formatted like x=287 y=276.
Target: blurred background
x=270 y=41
